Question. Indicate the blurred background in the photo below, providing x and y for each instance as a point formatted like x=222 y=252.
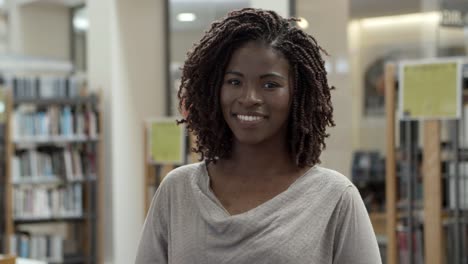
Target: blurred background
x=88 y=100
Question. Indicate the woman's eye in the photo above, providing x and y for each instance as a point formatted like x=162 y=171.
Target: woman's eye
x=233 y=82
x=271 y=85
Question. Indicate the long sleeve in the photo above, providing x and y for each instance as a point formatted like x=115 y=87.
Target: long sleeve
x=153 y=246
x=355 y=241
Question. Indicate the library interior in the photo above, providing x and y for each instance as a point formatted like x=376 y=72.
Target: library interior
x=89 y=103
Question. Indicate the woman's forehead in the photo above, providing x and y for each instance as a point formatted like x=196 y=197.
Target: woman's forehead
x=257 y=56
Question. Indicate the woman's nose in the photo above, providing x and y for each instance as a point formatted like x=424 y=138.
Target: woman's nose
x=251 y=95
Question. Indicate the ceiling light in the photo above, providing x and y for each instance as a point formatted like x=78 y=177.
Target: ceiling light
x=80 y=23
x=417 y=18
x=303 y=23
x=186 y=17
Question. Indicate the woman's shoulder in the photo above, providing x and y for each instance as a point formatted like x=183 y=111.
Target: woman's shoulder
x=182 y=175
x=331 y=179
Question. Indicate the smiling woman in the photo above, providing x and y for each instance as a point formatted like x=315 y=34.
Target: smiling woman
x=258 y=101
x=255 y=95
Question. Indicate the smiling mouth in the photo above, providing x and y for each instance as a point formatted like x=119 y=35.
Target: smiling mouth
x=249 y=118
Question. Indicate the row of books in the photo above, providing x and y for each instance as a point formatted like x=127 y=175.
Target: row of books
x=43 y=202
x=73 y=163
x=461 y=184
x=46 y=87
x=404 y=249
x=451 y=233
x=66 y=121
x=39 y=247
x=463 y=133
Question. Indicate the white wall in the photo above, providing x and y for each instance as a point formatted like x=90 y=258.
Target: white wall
x=3 y=34
x=328 y=21
x=126 y=60
x=182 y=41
x=39 y=30
x=279 y=6
x=100 y=68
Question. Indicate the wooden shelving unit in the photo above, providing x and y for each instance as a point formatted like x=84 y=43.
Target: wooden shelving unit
x=390 y=167
x=88 y=224
x=155 y=171
x=431 y=211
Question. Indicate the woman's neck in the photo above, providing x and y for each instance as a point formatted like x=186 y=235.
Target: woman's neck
x=255 y=160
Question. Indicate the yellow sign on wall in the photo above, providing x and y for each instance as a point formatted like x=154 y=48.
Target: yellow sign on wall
x=166 y=141
x=430 y=90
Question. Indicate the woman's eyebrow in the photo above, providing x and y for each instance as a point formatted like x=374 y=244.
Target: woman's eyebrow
x=266 y=75
x=272 y=74
x=235 y=73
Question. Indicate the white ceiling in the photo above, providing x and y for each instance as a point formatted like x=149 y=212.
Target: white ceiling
x=206 y=12
x=209 y=10
x=374 y=8
x=70 y=3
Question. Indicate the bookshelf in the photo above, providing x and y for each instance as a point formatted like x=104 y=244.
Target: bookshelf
x=155 y=169
x=425 y=222
x=54 y=177
x=368 y=174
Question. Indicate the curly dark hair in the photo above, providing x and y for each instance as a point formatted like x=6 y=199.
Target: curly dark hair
x=203 y=73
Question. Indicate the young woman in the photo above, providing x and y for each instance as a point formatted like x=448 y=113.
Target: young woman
x=257 y=99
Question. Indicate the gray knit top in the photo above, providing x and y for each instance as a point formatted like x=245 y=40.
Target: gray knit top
x=319 y=219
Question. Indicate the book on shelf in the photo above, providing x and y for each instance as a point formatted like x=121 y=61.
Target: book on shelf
x=48 y=202
x=50 y=165
x=54 y=122
x=461 y=184
x=450 y=233
x=37 y=246
x=44 y=202
x=463 y=138
x=417 y=245
x=47 y=87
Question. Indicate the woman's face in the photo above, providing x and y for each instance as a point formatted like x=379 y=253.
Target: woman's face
x=256 y=94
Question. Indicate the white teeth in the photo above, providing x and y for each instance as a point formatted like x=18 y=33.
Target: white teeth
x=249 y=118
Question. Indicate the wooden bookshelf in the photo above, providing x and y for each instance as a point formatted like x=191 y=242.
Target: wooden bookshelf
x=379 y=222
x=155 y=171
x=430 y=212
x=89 y=190
x=390 y=167
x=434 y=248
x=7 y=259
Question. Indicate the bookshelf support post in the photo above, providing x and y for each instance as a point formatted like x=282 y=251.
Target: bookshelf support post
x=432 y=193
x=390 y=173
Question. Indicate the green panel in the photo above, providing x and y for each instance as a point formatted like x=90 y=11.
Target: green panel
x=166 y=139
x=431 y=91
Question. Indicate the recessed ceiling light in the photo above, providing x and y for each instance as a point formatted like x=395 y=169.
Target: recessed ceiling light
x=80 y=23
x=303 y=23
x=416 y=18
x=186 y=17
